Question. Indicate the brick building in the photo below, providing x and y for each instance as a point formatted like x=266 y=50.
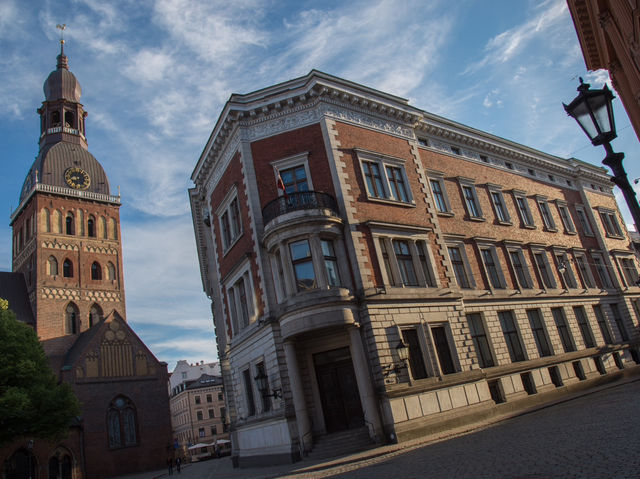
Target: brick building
x=67 y=248
x=609 y=36
x=340 y=229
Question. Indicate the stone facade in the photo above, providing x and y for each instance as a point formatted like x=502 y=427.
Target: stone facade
x=338 y=226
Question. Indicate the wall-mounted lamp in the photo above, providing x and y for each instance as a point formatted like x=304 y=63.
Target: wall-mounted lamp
x=263 y=386
x=403 y=355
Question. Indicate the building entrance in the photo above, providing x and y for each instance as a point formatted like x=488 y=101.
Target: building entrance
x=338 y=390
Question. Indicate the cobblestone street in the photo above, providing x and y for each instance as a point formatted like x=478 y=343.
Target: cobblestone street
x=593 y=436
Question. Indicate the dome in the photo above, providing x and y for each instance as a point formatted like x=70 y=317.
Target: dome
x=52 y=164
x=61 y=83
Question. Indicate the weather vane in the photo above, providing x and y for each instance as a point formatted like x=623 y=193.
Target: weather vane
x=62 y=28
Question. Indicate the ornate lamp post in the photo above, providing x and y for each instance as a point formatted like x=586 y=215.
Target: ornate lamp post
x=593 y=111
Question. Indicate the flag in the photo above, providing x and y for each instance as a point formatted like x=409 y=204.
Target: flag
x=280 y=185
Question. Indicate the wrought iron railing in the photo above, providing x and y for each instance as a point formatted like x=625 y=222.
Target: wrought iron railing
x=302 y=200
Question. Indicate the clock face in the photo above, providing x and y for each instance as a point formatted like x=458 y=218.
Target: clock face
x=77 y=178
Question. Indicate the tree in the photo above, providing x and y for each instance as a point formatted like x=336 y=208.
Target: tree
x=32 y=402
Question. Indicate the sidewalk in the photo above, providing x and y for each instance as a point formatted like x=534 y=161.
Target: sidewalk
x=223 y=468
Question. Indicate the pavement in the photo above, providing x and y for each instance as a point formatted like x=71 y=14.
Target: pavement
x=591 y=434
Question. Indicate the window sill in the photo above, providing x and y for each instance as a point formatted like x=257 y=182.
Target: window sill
x=529 y=227
x=571 y=233
x=615 y=237
x=504 y=223
x=386 y=201
x=477 y=219
x=450 y=214
x=551 y=230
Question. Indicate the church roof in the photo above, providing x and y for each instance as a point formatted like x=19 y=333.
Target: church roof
x=61 y=84
x=13 y=288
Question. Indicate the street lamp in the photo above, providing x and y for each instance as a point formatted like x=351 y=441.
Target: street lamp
x=593 y=111
x=403 y=355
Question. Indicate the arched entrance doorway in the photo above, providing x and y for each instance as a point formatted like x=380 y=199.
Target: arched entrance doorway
x=21 y=465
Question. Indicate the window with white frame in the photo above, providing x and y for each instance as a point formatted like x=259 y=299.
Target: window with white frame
x=584 y=220
x=470 y=197
x=543 y=268
x=405 y=257
x=523 y=209
x=385 y=177
x=519 y=266
x=229 y=219
x=602 y=270
x=565 y=217
x=330 y=262
x=492 y=266
x=460 y=265
x=302 y=260
x=240 y=298
x=545 y=213
x=294 y=172
x=499 y=205
x=440 y=198
x=564 y=268
x=584 y=272
x=610 y=223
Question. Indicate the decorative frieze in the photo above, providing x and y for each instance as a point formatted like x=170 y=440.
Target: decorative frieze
x=88 y=248
x=55 y=244
x=60 y=293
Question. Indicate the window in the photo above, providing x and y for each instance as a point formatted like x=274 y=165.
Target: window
x=240 y=299
x=69 y=224
x=199 y=416
x=209 y=399
x=610 y=223
x=480 y=341
x=214 y=430
x=211 y=413
x=565 y=216
x=52 y=266
x=499 y=206
x=511 y=337
x=201 y=433
x=248 y=392
x=416 y=358
x=520 y=269
x=584 y=221
x=542 y=265
x=72 y=316
x=471 y=199
x=103 y=227
x=492 y=268
x=564 y=268
x=617 y=317
x=197 y=399
x=229 y=219
x=121 y=423
x=67 y=268
x=184 y=375
x=385 y=178
x=563 y=330
x=220 y=398
x=96 y=271
x=539 y=333
x=406 y=261
x=440 y=195
x=601 y=269
x=330 y=262
x=303 y=265
x=545 y=212
x=443 y=349
x=294 y=179
x=583 y=325
x=583 y=270
x=629 y=271
x=602 y=324
x=91 y=226
x=459 y=266
x=523 y=209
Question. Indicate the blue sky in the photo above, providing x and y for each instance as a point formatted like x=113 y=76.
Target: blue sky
x=155 y=75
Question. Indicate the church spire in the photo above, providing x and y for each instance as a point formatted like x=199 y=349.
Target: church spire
x=63 y=61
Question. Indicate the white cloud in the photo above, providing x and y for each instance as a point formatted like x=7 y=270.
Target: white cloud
x=148 y=66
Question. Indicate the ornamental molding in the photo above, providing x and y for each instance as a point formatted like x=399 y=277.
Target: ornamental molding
x=60 y=293
x=100 y=249
x=103 y=296
x=55 y=244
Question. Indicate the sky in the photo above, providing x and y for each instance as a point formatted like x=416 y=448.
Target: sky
x=155 y=76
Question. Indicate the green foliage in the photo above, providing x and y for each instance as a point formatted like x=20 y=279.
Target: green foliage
x=32 y=403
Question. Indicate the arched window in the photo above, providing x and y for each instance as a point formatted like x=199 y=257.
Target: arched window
x=67 y=268
x=95 y=315
x=22 y=463
x=111 y=271
x=46 y=220
x=121 y=423
x=96 y=271
x=91 y=226
x=57 y=222
x=52 y=266
x=71 y=319
x=103 y=227
x=69 y=224
x=60 y=465
x=69 y=119
x=113 y=228
x=55 y=118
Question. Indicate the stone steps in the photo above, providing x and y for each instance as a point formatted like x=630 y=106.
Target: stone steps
x=340 y=444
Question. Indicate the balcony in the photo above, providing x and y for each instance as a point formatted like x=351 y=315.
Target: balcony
x=302 y=200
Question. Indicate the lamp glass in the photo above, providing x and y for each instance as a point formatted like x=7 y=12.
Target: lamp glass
x=262 y=379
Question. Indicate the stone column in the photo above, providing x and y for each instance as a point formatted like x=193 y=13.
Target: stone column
x=299 y=404
x=367 y=395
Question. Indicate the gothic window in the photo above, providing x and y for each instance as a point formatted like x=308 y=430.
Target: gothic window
x=67 y=268
x=121 y=423
x=103 y=227
x=52 y=266
x=113 y=228
x=91 y=226
x=71 y=319
x=96 y=271
x=111 y=271
x=46 y=220
x=69 y=224
x=95 y=315
x=57 y=222
x=60 y=466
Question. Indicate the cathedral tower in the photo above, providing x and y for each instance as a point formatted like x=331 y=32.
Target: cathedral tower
x=66 y=234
